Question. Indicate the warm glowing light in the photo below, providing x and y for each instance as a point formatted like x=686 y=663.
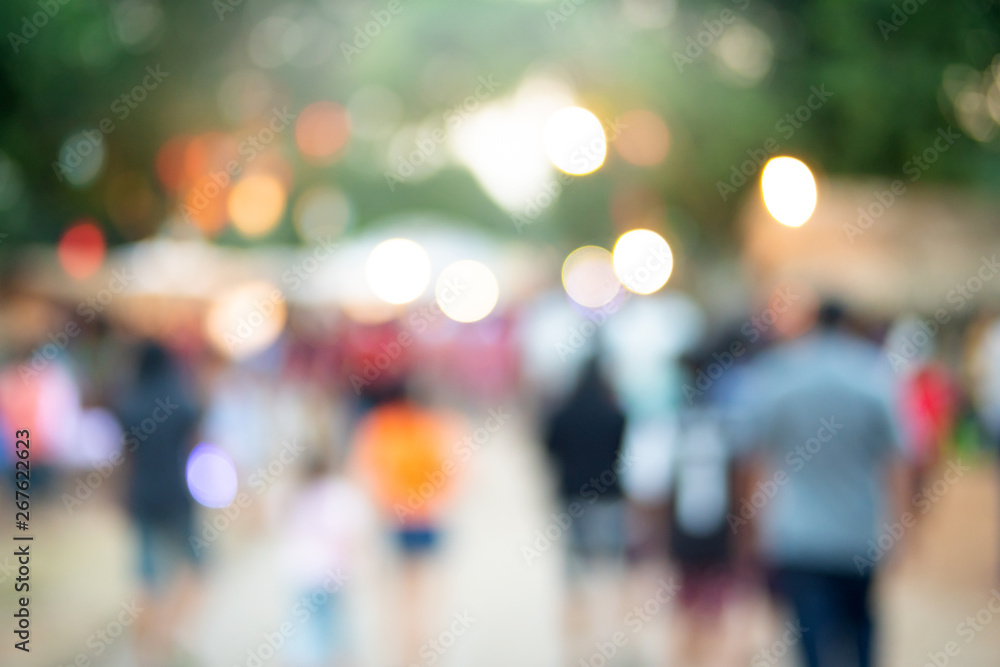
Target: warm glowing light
x=643 y=261
x=207 y=213
x=644 y=138
x=211 y=476
x=246 y=320
x=256 y=204
x=502 y=143
x=789 y=191
x=398 y=270
x=81 y=249
x=588 y=275
x=467 y=291
x=170 y=162
x=574 y=141
x=322 y=130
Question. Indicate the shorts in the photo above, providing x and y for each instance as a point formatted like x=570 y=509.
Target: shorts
x=417 y=540
x=599 y=531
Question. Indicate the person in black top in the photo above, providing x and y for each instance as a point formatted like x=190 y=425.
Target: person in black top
x=584 y=439
x=159 y=415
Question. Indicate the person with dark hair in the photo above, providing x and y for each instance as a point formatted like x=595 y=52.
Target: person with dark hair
x=159 y=417
x=584 y=440
x=831 y=315
x=401 y=451
x=827 y=449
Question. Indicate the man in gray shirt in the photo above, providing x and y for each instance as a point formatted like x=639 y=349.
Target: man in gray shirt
x=827 y=447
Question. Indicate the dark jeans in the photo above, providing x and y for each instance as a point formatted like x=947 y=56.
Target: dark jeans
x=834 y=612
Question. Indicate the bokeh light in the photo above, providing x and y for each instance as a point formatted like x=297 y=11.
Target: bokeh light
x=789 y=191
x=211 y=476
x=643 y=261
x=588 y=276
x=246 y=94
x=81 y=158
x=98 y=436
x=274 y=41
x=398 y=270
x=170 y=162
x=256 y=204
x=574 y=141
x=321 y=212
x=81 y=249
x=467 y=291
x=207 y=213
x=246 y=320
x=374 y=112
x=322 y=130
x=745 y=53
x=644 y=138
x=138 y=24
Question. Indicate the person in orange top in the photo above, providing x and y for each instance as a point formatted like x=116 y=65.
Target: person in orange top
x=400 y=449
x=401 y=453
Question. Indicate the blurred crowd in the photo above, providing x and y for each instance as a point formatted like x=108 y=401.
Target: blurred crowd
x=791 y=451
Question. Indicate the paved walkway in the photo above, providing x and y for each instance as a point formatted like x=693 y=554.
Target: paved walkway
x=511 y=610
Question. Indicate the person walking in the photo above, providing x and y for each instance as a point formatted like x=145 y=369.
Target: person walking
x=827 y=451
